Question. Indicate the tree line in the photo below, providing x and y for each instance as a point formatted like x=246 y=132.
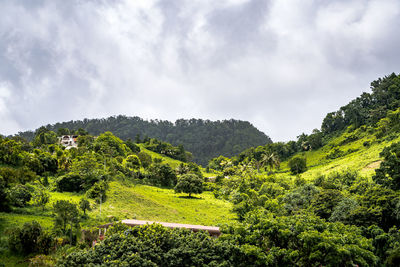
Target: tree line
x=204 y=138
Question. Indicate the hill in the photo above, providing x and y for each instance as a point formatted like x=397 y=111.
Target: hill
x=120 y=180
x=204 y=138
x=330 y=198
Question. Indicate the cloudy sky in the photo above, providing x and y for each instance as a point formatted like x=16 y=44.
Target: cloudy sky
x=282 y=65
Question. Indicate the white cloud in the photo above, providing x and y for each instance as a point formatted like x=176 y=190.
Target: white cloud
x=279 y=64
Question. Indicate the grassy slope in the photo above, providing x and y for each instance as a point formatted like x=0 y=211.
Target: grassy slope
x=126 y=201
x=172 y=162
x=158 y=204
x=364 y=160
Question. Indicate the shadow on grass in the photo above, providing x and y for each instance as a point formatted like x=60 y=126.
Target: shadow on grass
x=190 y=197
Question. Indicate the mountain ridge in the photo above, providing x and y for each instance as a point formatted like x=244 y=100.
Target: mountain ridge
x=204 y=138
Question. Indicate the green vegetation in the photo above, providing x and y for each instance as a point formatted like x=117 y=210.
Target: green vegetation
x=144 y=202
x=42 y=181
x=189 y=184
x=154 y=245
x=330 y=198
x=204 y=138
x=297 y=165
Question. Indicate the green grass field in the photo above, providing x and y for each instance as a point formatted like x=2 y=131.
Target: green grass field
x=358 y=157
x=125 y=201
x=170 y=161
x=157 y=204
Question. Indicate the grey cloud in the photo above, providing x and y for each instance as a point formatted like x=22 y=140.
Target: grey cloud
x=280 y=65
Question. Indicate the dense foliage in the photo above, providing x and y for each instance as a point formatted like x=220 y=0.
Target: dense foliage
x=204 y=138
x=297 y=165
x=330 y=219
x=368 y=108
x=31 y=237
x=388 y=174
x=155 y=245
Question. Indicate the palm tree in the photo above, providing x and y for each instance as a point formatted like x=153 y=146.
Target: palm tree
x=270 y=160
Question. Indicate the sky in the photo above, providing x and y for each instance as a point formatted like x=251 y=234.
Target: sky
x=280 y=64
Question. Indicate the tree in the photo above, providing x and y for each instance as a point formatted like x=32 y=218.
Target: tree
x=145 y=159
x=41 y=197
x=63 y=131
x=84 y=205
x=298 y=165
x=189 y=184
x=109 y=144
x=44 y=136
x=66 y=214
x=133 y=162
x=162 y=174
x=20 y=195
x=4 y=201
x=25 y=240
x=270 y=160
x=155 y=245
x=388 y=174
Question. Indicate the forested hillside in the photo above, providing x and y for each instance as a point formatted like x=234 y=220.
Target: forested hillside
x=205 y=139
x=331 y=198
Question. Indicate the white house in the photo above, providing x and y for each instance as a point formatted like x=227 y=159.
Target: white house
x=68 y=141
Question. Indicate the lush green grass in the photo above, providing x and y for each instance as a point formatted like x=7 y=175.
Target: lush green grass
x=158 y=204
x=129 y=201
x=170 y=161
x=125 y=201
x=358 y=157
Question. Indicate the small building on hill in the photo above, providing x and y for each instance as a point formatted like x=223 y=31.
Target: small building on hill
x=68 y=141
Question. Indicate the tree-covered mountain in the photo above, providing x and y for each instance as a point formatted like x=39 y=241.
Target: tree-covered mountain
x=204 y=138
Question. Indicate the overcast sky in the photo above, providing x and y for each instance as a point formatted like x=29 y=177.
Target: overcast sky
x=282 y=65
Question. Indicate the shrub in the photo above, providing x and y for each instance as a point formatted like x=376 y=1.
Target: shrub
x=145 y=159
x=70 y=182
x=4 y=201
x=20 y=195
x=162 y=174
x=133 y=161
x=97 y=190
x=30 y=238
x=298 y=165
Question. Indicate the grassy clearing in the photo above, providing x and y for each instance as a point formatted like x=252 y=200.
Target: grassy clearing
x=158 y=204
x=172 y=162
x=125 y=201
x=364 y=159
x=128 y=201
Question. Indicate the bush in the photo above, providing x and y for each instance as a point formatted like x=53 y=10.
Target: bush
x=162 y=174
x=30 y=238
x=297 y=165
x=20 y=195
x=97 y=190
x=70 y=182
x=145 y=159
x=4 y=201
x=133 y=161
